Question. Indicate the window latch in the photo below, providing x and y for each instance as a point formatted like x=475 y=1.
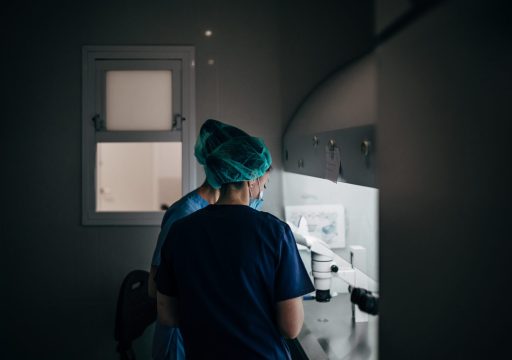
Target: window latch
x=99 y=124
x=177 y=122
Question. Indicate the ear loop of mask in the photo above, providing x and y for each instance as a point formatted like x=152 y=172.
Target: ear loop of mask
x=256 y=203
x=260 y=196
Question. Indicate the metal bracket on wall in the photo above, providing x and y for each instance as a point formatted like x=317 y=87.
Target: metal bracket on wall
x=177 y=122
x=332 y=145
x=357 y=159
x=99 y=124
x=315 y=141
x=365 y=147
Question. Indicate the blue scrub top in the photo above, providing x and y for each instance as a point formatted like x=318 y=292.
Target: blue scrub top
x=229 y=265
x=181 y=208
x=167 y=341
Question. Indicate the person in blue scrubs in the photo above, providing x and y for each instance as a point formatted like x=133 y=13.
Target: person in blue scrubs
x=231 y=277
x=167 y=340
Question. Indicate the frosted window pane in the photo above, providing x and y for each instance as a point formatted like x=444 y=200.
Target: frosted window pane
x=139 y=100
x=137 y=176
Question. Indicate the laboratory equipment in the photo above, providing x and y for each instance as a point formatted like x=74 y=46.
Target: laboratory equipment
x=365 y=300
x=325 y=264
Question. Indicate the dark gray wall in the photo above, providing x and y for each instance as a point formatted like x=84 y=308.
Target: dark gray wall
x=443 y=164
x=316 y=40
x=60 y=279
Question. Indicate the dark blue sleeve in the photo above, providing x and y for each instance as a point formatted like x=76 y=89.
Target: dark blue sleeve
x=165 y=276
x=292 y=279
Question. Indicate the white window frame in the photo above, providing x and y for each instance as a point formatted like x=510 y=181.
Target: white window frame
x=96 y=61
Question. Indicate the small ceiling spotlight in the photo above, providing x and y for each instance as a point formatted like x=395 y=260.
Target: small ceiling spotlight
x=208 y=33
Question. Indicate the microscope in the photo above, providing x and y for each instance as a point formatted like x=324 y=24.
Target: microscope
x=325 y=264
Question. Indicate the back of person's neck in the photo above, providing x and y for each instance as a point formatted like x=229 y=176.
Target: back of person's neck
x=234 y=196
x=208 y=193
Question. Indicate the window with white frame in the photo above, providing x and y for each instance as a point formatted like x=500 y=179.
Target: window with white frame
x=137 y=132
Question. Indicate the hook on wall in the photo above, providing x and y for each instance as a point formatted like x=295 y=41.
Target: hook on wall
x=365 y=147
x=331 y=144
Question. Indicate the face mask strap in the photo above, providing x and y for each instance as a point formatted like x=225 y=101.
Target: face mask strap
x=260 y=195
x=250 y=189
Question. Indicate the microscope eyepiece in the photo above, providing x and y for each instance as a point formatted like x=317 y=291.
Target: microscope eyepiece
x=365 y=301
x=323 y=296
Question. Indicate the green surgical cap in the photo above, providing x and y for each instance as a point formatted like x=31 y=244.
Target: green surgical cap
x=212 y=134
x=240 y=158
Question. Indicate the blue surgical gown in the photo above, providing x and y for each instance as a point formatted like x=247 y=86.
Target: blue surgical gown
x=167 y=341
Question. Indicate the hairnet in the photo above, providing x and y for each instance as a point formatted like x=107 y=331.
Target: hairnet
x=240 y=158
x=212 y=134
